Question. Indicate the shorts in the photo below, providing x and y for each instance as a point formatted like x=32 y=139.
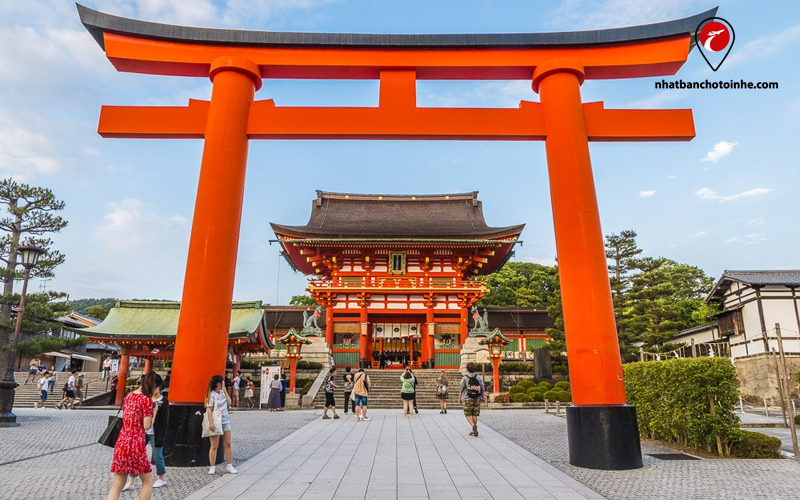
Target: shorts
x=472 y=407
x=226 y=427
x=441 y=395
x=78 y=393
x=71 y=394
x=33 y=371
x=360 y=400
x=44 y=395
x=329 y=401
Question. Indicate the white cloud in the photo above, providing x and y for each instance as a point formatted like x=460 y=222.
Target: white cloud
x=720 y=149
x=481 y=94
x=763 y=48
x=711 y=195
x=735 y=239
x=657 y=100
x=701 y=233
x=132 y=225
x=544 y=262
x=755 y=238
x=758 y=221
x=647 y=194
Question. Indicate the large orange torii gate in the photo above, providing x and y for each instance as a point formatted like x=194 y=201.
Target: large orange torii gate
x=602 y=428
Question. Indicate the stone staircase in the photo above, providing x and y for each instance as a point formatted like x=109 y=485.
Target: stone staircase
x=26 y=395
x=385 y=389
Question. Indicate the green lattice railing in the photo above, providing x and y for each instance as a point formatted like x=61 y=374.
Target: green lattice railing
x=535 y=343
x=345 y=358
x=448 y=359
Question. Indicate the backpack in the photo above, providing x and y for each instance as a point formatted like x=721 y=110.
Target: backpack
x=473 y=387
x=66 y=387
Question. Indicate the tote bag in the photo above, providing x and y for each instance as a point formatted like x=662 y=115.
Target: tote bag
x=207 y=432
x=110 y=435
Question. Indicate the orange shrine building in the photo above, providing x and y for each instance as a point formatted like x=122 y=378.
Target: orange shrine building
x=401 y=274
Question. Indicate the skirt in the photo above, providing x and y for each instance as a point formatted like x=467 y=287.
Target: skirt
x=248 y=393
x=274 y=400
x=407 y=396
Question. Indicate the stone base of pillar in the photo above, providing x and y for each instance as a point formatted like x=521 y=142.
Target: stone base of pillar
x=183 y=446
x=318 y=351
x=604 y=437
x=292 y=401
x=7 y=417
x=473 y=352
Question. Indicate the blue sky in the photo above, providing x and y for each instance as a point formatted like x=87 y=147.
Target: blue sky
x=729 y=199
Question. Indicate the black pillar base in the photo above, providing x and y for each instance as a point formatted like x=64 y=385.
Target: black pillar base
x=7 y=417
x=604 y=437
x=183 y=446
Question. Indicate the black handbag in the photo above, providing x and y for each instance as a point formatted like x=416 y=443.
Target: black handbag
x=110 y=435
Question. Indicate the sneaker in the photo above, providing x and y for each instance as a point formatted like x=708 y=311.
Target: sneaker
x=35 y=405
x=159 y=483
x=231 y=470
x=212 y=470
x=325 y=417
x=364 y=418
x=127 y=487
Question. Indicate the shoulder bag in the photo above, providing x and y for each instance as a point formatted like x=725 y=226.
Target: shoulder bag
x=217 y=416
x=111 y=434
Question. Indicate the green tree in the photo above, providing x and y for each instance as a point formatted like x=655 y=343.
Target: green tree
x=521 y=284
x=302 y=300
x=98 y=311
x=31 y=214
x=621 y=250
x=665 y=297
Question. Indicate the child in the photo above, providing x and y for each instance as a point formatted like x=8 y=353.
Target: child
x=44 y=384
x=249 y=391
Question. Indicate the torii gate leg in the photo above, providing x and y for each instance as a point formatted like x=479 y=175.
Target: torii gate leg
x=602 y=429
x=204 y=323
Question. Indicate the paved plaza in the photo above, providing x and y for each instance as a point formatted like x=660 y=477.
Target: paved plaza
x=519 y=454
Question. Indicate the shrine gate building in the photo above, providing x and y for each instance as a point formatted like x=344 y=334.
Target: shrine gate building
x=397 y=274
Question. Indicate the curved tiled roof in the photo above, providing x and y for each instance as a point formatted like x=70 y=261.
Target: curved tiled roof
x=342 y=215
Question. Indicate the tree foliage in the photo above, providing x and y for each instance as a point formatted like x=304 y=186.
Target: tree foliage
x=302 y=300
x=521 y=284
x=39 y=345
x=96 y=308
x=31 y=214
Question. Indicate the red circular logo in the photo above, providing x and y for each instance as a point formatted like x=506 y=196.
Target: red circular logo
x=715 y=36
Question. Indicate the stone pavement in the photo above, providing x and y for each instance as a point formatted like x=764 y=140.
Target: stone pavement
x=430 y=456
x=712 y=479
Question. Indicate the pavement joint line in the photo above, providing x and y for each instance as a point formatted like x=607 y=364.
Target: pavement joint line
x=46 y=454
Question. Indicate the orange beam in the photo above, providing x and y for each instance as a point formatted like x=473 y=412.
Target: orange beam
x=270 y=122
x=622 y=60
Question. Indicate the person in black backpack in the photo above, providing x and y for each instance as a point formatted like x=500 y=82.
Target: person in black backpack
x=330 y=401
x=471 y=394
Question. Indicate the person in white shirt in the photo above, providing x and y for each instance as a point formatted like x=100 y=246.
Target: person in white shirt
x=44 y=383
x=237 y=382
x=69 y=389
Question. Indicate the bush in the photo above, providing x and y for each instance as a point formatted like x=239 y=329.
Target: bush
x=308 y=365
x=517 y=390
x=797 y=420
x=689 y=401
x=544 y=386
x=532 y=390
x=537 y=396
x=515 y=367
x=502 y=398
x=520 y=397
x=563 y=385
x=556 y=395
x=756 y=445
x=525 y=384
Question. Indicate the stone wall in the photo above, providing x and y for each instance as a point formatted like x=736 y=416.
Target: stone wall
x=758 y=376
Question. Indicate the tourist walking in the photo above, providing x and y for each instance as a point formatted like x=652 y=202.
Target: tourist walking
x=69 y=392
x=382 y=360
x=471 y=393
x=79 y=388
x=33 y=369
x=283 y=391
x=106 y=367
x=52 y=381
x=330 y=399
x=250 y=390
x=348 y=389
x=274 y=398
x=155 y=436
x=407 y=393
x=130 y=452
x=218 y=400
x=441 y=392
x=44 y=383
x=237 y=383
x=361 y=391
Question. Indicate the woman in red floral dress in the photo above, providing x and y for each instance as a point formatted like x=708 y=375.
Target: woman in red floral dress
x=130 y=452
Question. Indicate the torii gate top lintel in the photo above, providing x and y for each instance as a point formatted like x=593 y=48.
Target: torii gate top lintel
x=147 y=47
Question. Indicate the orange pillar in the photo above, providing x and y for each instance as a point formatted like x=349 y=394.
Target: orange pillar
x=148 y=366
x=329 y=325
x=496 y=375
x=595 y=365
x=430 y=327
x=204 y=323
x=292 y=374
x=122 y=378
x=365 y=348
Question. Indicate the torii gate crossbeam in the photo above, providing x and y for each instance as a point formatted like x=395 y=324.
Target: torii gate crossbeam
x=602 y=427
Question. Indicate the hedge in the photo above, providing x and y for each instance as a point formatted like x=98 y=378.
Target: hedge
x=689 y=401
x=756 y=445
x=505 y=366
